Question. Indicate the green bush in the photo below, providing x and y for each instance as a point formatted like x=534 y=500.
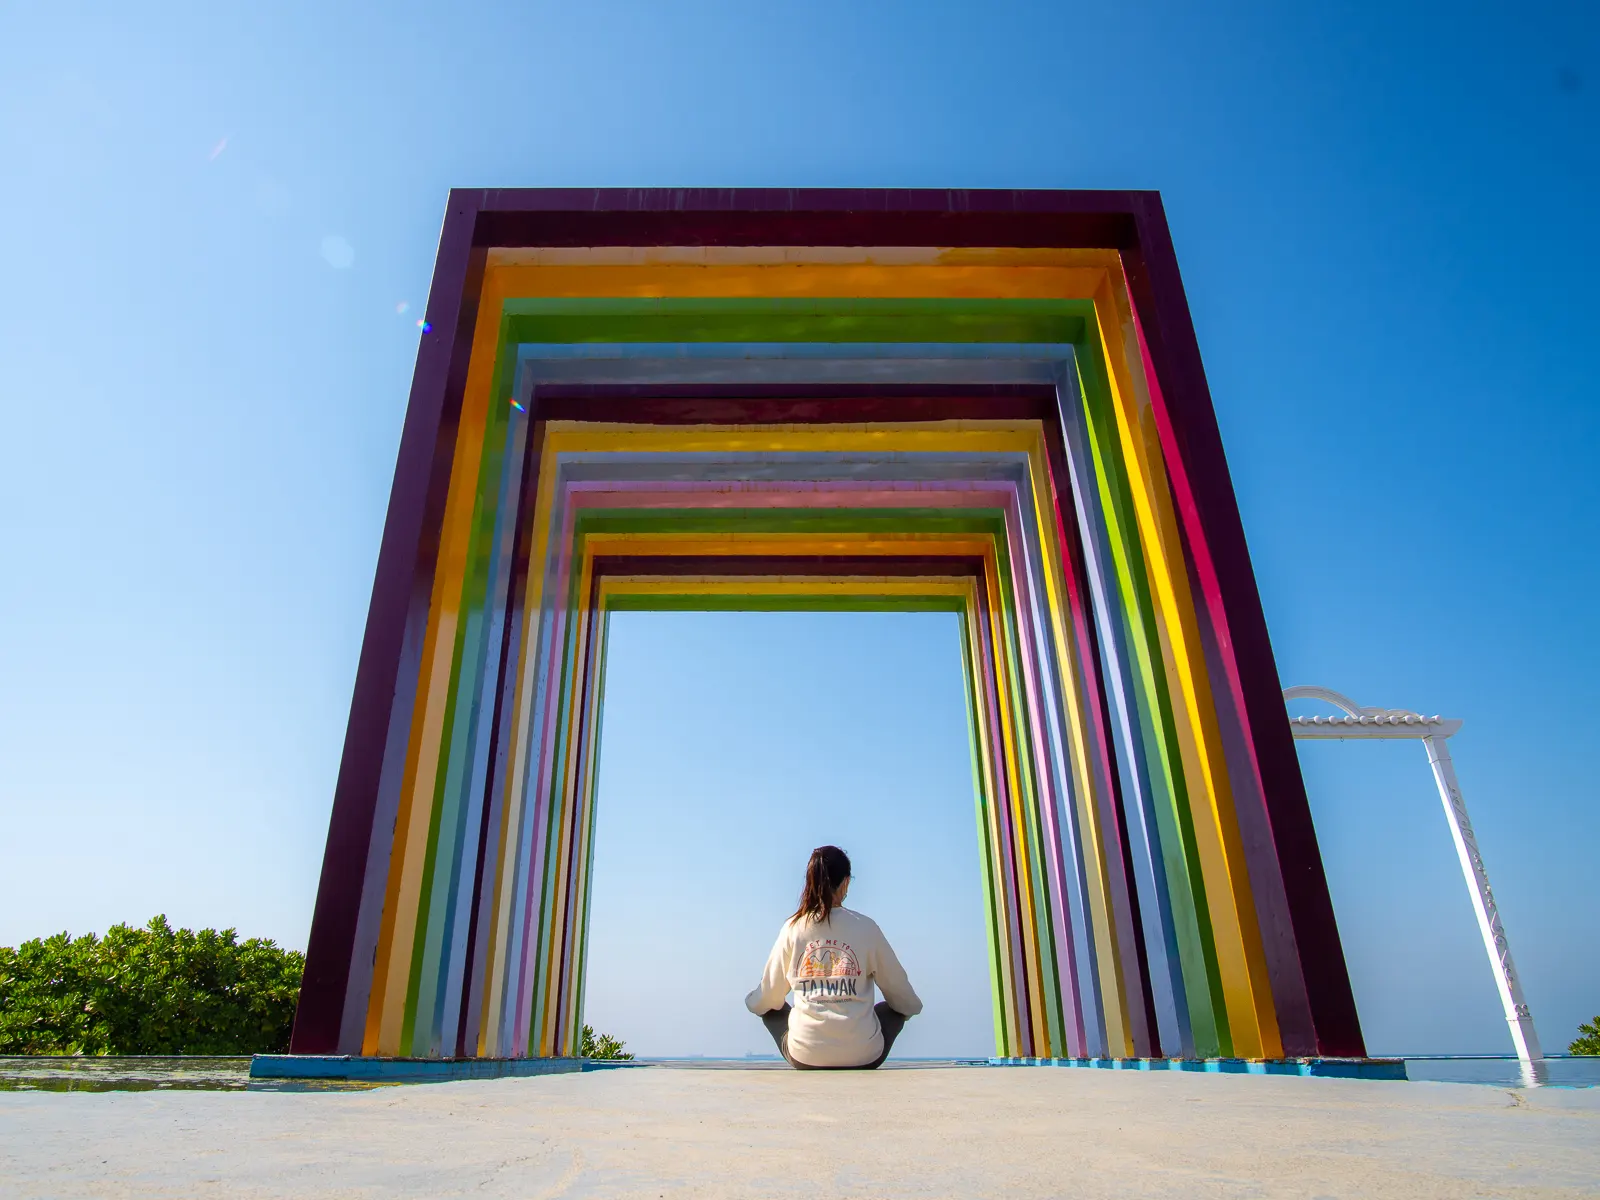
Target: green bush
x=155 y=990
x=1588 y=1039
x=601 y=1046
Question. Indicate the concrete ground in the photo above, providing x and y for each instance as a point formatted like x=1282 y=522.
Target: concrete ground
x=947 y=1132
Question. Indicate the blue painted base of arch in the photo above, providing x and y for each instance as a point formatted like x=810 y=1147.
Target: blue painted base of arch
x=1322 y=1068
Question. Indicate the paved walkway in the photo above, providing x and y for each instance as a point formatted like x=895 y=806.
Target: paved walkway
x=951 y=1132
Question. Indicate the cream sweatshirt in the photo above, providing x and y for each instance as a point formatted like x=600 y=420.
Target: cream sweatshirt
x=831 y=968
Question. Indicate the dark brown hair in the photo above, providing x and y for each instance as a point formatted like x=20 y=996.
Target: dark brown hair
x=827 y=868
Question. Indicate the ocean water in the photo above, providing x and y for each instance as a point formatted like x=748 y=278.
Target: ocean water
x=142 y=1073
x=1562 y=1070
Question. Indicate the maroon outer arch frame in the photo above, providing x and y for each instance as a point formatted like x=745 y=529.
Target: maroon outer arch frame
x=1132 y=223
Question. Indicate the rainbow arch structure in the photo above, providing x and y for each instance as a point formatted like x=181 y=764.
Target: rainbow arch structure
x=990 y=403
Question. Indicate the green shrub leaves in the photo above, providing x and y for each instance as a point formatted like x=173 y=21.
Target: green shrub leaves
x=155 y=990
x=601 y=1045
x=1588 y=1039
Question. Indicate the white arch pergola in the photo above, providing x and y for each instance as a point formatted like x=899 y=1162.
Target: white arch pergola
x=1397 y=723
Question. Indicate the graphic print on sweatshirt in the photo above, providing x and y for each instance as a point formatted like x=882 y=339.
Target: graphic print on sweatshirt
x=828 y=971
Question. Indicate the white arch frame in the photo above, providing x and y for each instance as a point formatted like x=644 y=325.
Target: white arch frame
x=1399 y=723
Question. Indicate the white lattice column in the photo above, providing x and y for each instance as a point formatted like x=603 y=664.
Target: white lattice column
x=1494 y=935
x=1396 y=723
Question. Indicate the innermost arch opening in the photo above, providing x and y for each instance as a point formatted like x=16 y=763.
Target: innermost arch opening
x=734 y=742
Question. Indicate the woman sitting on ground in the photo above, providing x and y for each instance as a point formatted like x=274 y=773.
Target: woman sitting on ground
x=830 y=956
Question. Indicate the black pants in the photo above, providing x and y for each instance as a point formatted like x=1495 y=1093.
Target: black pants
x=777 y=1023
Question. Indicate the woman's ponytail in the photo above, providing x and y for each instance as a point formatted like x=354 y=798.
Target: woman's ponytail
x=827 y=869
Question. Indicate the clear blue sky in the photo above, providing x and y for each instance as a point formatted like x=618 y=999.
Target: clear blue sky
x=210 y=215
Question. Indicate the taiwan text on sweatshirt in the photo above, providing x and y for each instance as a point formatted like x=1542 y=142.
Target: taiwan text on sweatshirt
x=830 y=967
